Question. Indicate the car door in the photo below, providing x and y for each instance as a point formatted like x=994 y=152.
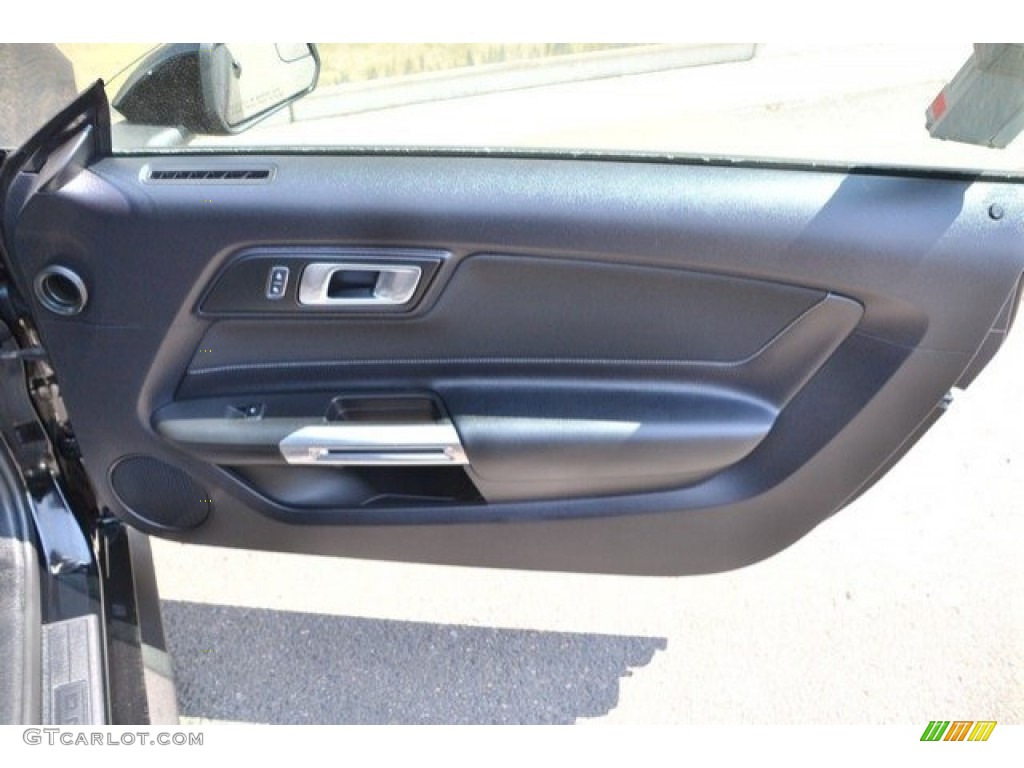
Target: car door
x=561 y=361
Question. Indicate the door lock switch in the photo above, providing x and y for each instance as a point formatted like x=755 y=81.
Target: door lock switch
x=277 y=283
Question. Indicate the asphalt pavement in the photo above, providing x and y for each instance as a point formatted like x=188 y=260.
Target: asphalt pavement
x=259 y=665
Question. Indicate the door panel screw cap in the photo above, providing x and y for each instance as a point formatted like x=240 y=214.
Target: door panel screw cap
x=995 y=211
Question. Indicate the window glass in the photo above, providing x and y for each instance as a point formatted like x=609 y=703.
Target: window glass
x=862 y=104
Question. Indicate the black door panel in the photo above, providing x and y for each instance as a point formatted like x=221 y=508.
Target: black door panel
x=542 y=309
x=652 y=367
x=535 y=426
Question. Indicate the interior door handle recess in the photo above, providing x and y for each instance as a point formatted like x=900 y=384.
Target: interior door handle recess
x=356 y=284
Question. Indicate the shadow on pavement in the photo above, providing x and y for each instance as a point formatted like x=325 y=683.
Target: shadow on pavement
x=269 y=666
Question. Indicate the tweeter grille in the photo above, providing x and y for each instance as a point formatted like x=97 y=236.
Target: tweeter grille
x=160 y=494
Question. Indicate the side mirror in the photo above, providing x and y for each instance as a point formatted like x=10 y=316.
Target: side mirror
x=217 y=88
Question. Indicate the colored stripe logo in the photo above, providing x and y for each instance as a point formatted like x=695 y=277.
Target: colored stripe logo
x=958 y=730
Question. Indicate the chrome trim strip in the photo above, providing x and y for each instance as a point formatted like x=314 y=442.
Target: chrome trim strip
x=350 y=444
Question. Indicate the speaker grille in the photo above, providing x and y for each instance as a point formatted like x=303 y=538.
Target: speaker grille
x=160 y=494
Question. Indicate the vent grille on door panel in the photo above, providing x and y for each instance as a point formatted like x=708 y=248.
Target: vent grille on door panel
x=208 y=174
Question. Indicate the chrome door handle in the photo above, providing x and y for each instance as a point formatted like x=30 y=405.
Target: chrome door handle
x=374 y=444
x=358 y=284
